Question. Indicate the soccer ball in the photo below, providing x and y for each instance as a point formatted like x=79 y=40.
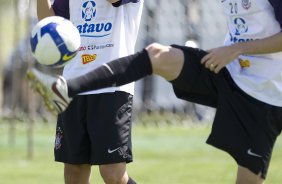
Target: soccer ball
x=54 y=41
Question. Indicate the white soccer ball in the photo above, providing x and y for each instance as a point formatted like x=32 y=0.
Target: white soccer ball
x=54 y=41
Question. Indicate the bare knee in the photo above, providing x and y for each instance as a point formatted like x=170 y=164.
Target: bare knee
x=245 y=176
x=114 y=173
x=75 y=174
x=166 y=60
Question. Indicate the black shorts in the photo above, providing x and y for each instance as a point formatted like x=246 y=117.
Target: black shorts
x=95 y=129
x=243 y=126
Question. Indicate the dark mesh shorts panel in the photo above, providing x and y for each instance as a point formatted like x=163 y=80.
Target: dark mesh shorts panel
x=95 y=129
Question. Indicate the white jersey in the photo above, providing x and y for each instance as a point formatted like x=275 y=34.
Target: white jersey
x=107 y=33
x=260 y=76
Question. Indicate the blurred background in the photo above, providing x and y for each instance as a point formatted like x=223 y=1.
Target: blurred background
x=186 y=22
x=169 y=134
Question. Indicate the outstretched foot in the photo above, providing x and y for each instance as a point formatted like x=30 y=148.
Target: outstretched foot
x=53 y=90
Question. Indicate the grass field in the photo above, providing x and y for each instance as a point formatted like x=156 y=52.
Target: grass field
x=163 y=155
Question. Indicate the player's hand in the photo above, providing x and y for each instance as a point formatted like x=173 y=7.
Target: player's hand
x=219 y=57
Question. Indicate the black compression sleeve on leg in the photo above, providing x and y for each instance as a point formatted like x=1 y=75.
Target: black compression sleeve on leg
x=115 y=73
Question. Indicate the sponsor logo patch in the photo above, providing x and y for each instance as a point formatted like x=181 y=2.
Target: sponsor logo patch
x=96 y=46
x=93 y=26
x=240 y=26
x=244 y=63
x=87 y=58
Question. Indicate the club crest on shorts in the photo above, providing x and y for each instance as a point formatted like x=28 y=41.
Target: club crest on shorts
x=58 y=140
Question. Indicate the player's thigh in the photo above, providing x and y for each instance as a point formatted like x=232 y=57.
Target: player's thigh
x=245 y=176
x=77 y=172
x=195 y=83
x=166 y=61
x=117 y=170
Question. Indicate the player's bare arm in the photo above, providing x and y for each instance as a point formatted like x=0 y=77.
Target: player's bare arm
x=220 y=57
x=44 y=9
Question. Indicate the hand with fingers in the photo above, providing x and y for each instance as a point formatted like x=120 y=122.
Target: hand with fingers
x=219 y=57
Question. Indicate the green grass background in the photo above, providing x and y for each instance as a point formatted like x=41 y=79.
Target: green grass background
x=162 y=155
